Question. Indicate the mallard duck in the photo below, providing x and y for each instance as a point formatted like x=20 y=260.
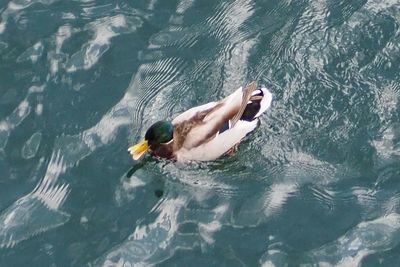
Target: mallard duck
x=209 y=131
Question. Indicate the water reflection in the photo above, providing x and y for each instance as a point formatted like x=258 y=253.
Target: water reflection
x=316 y=184
x=38 y=211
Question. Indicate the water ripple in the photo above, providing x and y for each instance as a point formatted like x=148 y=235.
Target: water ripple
x=329 y=147
x=150 y=77
x=146 y=242
x=364 y=239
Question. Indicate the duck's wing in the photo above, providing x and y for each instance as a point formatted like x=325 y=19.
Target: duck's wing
x=233 y=99
x=218 y=145
x=204 y=124
x=247 y=92
x=229 y=134
x=189 y=114
x=183 y=129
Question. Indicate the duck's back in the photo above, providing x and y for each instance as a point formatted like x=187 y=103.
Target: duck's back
x=219 y=128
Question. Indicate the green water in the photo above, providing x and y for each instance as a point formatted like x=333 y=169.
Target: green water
x=317 y=184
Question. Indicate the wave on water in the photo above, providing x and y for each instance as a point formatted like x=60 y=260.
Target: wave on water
x=316 y=184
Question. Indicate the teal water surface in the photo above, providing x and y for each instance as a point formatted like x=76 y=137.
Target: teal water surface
x=317 y=184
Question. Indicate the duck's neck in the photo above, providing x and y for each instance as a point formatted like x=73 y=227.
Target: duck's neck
x=163 y=150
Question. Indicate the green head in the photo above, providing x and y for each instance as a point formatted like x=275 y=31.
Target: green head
x=159 y=133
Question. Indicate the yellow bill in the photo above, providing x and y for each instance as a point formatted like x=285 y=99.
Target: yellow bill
x=139 y=149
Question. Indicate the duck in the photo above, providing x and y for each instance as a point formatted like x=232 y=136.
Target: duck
x=209 y=131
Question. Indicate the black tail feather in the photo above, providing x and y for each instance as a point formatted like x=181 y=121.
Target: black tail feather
x=253 y=107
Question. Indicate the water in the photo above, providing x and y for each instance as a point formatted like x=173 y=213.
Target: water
x=316 y=184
